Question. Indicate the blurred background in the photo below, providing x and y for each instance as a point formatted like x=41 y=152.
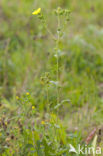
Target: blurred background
x=26 y=51
x=27 y=54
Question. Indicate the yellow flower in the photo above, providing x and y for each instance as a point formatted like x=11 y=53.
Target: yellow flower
x=27 y=93
x=33 y=107
x=43 y=122
x=6 y=123
x=53 y=116
x=17 y=97
x=36 y=12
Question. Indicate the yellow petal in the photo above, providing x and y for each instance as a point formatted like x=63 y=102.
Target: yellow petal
x=33 y=107
x=27 y=93
x=43 y=122
x=36 y=12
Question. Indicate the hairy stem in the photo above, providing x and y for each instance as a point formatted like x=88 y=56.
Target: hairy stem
x=58 y=39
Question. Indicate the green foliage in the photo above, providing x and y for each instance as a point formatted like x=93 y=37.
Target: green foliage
x=51 y=76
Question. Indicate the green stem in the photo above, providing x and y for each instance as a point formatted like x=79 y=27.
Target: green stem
x=57 y=77
x=53 y=37
x=58 y=31
x=47 y=99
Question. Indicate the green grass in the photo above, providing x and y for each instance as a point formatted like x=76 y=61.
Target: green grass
x=27 y=55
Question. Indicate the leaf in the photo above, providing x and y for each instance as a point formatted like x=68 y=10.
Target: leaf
x=57 y=106
x=61 y=151
x=29 y=146
x=67 y=100
x=54 y=82
x=94 y=143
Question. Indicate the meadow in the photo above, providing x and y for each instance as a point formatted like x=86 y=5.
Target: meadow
x=51 y=77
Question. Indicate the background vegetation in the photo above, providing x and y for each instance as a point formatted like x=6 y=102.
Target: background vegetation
x=27 y=125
